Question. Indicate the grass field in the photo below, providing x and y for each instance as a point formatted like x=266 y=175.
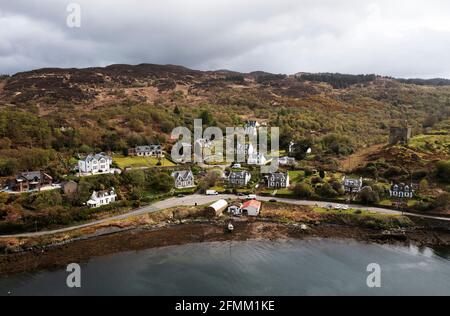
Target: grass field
x=431 y=143
x=141 y=162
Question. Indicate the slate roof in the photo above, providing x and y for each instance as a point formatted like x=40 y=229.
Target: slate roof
x=183 y=174
x=239 y=174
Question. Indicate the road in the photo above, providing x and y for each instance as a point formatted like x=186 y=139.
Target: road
x=192 y=200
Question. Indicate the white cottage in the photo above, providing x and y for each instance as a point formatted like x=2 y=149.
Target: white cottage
x=257 y=159
x=102 y=198
x=184 y=179
x=98 y=163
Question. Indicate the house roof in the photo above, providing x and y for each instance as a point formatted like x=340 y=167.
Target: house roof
x=239 y=174
x=251 y=203
x=278 y=176
x=183 y=174
x=148 y=148
x=103 y=193
x=402 y=187
x=32 y=176
x=353 y=182
x=99 y=156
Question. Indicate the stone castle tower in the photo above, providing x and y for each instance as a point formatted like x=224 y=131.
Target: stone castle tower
x=400 y=135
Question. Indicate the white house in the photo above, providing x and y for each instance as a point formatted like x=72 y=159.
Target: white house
x=102 y=198
x=278 y=180
x=245 y=150
x=183 y=179
x=147 y=151
x=251 y=208
x=239 y=178
x=286 y=161
x=98 y=163
x=257 y=159
x=401 y=191
x=251 y=128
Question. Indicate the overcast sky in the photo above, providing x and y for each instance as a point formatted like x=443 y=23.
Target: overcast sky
x=402 y=38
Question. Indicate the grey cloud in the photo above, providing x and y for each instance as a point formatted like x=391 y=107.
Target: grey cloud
x=407 y=38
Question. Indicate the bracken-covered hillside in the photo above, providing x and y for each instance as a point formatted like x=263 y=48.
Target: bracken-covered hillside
x=81 y=110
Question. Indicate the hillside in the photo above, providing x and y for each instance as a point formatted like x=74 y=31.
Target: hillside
x=82 y=110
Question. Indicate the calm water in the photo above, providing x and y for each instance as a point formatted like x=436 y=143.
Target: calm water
x=294 y=267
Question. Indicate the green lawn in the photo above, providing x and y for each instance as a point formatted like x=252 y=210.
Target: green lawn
x=139 y=162
x=296 y=176
x=186 y=191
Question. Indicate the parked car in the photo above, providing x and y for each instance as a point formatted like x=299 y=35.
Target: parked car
x=345 y=207
x=181 y=195
x=330 y=206
x=241 y=194
x=338 y=207
x=212 y=192
x=273 y=201
x=251 y=197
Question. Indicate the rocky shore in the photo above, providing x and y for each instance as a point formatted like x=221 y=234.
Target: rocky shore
x=140 y=238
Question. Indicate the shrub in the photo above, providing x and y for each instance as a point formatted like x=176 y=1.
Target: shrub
x=326 y=190
x=369 y=196
x=303 y=190
x=442 y=202
x=443 y=171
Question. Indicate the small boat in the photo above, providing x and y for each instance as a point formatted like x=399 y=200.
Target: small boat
x=230 y=227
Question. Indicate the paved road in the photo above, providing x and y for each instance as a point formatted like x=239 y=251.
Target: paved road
x=192 y=200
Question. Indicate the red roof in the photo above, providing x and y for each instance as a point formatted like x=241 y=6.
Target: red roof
x=252 y=203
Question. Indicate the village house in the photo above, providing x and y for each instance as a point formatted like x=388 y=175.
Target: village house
x=257 y=159
x=239 y=178
x=401 y=191
x=102 y=198
x=352 y=185
x=183 y=179
x=251 y=208
x=204 y=143
x=286 y=161
x=251 y=128
x=278 y=180
x=245 y=150
x=30 y=181
x=146 y=151
x=98 y=163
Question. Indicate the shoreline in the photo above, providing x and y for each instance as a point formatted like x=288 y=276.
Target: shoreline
x=142 y=238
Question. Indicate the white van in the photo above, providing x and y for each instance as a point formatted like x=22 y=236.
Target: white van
x=212 y=192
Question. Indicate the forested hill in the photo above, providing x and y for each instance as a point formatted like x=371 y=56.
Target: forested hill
x=66 y=111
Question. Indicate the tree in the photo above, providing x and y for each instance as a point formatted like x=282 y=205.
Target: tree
x=337 y=144
x=300 y=148
x=443 y=170
x=303 y=190
x=326 y=190
x=8 y=168
x=210 y=180
x=423 y=185
x=322 y=174
x=369 y=196
x=135 y=178
x=442 y=202
x=207 y=117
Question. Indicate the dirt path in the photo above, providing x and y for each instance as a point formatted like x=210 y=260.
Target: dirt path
x=358 y=159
